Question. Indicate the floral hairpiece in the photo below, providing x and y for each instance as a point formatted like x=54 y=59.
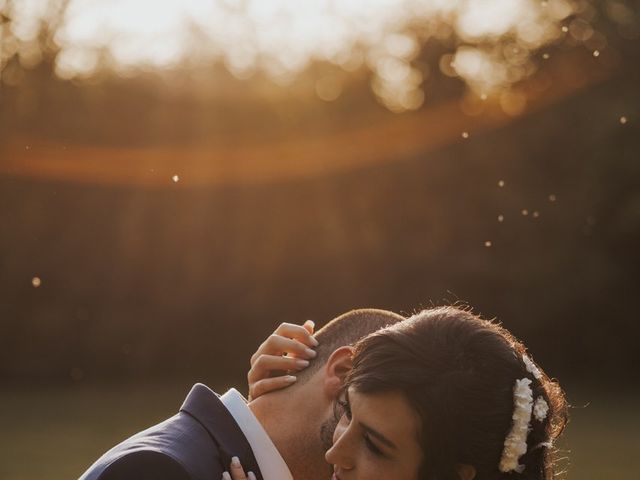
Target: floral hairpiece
x=515 y=445
x=540 y=409
x=531 y=367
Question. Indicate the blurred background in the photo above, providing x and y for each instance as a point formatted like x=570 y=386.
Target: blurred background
x=179 y=177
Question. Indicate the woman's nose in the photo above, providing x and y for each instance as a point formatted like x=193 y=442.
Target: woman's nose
x=339 y=454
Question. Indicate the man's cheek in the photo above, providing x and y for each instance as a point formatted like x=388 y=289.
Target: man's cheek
x=327 y=431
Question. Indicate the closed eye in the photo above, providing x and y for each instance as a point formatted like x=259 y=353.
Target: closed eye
x=372 y=446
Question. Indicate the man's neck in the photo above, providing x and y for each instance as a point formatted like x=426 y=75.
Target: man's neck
x=294 y=432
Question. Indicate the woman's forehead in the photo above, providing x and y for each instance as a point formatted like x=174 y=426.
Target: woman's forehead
x=389 y=413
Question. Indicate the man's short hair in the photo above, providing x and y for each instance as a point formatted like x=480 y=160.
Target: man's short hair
x=347 y=329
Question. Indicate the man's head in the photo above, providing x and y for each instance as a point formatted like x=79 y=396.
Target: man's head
x=345 y=330
x=300 y=419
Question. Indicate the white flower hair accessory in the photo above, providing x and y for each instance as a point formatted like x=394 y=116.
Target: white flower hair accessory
x=540 y=409
x=531 y=367
x=515 y=445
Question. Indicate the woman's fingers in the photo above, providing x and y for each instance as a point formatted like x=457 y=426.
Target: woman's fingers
x=288 y=349
x=309 y=326
x=236 y=472
x=302 y=333
x=270 y=384
x=279 y=345
x=264 y=365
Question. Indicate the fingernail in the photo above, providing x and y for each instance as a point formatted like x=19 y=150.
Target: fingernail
x=302 y=363
x=312 y=323
x=226 y=476
x=235 y=461
x=251 y=476
x=314 y=342
x=290 y=378
x=311 y=353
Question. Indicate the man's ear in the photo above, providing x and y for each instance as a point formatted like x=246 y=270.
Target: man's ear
x=466 y=472
x=336 y=369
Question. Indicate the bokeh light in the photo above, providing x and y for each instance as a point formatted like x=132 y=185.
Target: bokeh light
x=492 y=42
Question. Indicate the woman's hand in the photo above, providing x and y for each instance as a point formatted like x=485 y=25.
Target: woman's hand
x=237 y=472
x=287 y=350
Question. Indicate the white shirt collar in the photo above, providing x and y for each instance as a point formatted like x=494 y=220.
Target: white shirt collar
x=269 y=459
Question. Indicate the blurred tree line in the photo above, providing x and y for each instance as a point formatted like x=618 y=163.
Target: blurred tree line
x=142 y=281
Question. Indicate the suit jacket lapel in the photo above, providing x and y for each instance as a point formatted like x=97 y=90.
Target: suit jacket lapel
x=205 y=406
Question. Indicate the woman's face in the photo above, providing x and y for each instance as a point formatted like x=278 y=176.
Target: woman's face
x=376 y=438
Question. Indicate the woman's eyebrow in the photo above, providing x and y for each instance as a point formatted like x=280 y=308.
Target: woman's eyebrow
x=378 y=435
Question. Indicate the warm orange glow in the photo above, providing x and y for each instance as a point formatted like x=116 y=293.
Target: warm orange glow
x=282 y=38
x=288 y=157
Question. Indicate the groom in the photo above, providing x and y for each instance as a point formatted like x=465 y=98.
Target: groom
x=281 y=435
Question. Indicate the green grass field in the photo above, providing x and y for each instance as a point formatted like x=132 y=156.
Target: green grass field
x=56 y=433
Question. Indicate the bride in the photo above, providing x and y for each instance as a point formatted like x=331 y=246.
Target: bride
x=441 y=395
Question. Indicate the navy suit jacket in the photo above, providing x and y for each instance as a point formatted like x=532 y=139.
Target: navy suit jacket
x=195 y=444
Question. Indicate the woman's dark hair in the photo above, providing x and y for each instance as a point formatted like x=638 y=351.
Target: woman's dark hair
x=458 y=371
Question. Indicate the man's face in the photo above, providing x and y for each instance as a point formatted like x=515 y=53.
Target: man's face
x=328 y=427
x=327 y=430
